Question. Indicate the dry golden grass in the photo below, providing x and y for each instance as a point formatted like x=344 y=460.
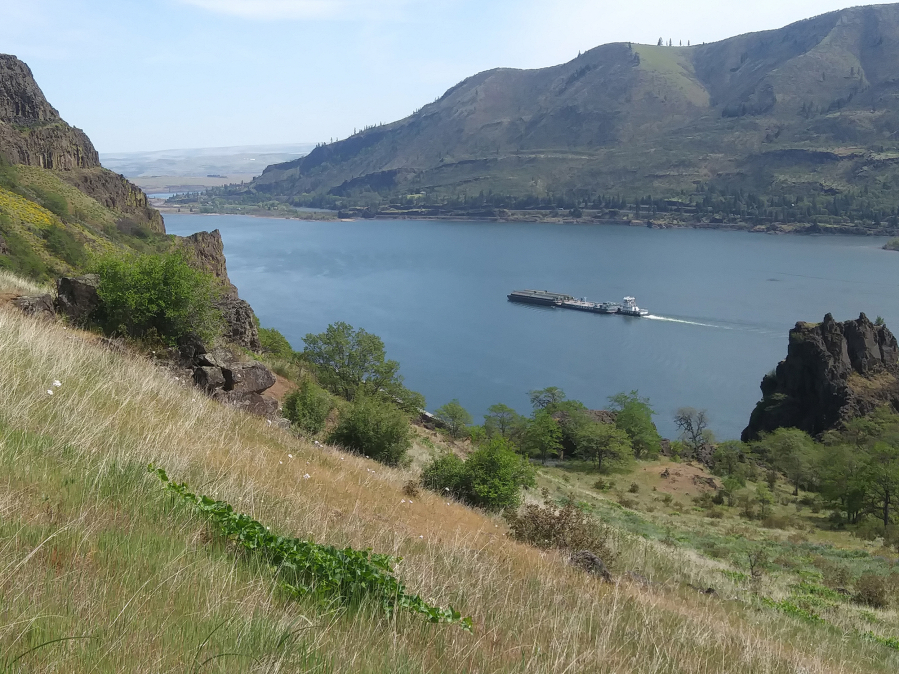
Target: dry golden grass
x=91 y=548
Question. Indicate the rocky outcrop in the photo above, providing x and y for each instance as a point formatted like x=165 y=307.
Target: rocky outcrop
x=117 y=194
x=31 y=130
x=833 y=372
x=206 y=251
x=77 y=298
x=39 y=306
x=235 y=383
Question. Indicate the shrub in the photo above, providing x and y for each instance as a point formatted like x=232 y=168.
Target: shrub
x=491 y=478
x=446 y=474
x=374 y=428
x=871 y=590
x=275 y=343
x=833 y=574
x=496 y=475
x=634 y=488
x=308 y=407
x=156 y=297
x=568 y=528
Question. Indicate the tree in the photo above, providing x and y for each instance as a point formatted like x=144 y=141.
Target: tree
x=502 y=419
x=543 y=435
x=661 y=42
x=350 y=363
x=791 y=452
x=546 y=398
x=308 y=407
x=634 y=417
x=693 y=425
x=882 y=477
x=601 y=442
x=455 y=417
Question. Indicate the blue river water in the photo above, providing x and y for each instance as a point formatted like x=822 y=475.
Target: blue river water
x=721 y=303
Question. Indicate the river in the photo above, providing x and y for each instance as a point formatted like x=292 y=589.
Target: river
x=721 y=303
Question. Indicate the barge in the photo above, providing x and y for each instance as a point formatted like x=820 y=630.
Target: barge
x=628 y=307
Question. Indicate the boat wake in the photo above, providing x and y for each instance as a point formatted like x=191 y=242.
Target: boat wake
x=678 y=320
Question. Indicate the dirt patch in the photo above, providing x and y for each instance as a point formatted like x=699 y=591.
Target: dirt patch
x=678 y=478
x=281 y=388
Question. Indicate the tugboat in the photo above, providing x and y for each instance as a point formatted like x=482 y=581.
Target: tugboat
x=630 y=308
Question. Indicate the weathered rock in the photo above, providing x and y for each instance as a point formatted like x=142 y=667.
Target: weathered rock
x=77 y=298
x=833 y=372
x=117 y=194
x=240 y=323
x=587 y=561
x=31 y=130
x=248 y=377
x=39 y=306
x=249 y=402
x=206 y=252
x=209 y=378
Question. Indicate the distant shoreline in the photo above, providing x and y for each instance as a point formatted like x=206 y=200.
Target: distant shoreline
x=778 y=231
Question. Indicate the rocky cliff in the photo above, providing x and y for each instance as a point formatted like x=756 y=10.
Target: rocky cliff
x=33 y=134
x=833 y=372
x=31 y=130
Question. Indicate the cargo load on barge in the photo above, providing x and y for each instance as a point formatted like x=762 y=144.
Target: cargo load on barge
x=545 y=298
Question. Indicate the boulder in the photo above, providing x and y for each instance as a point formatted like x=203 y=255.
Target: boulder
x=249 y=402
x=587 y=561
x=240 y=323
x=248 y=377
x=39 y=306
x=833 y=372
x=209 y=378
x=77 y=298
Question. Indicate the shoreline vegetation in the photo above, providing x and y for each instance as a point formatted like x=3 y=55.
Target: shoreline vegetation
x=282 y=211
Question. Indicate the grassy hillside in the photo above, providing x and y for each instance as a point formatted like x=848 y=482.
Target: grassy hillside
x=49 y=227
x=101 y=571
x=794 y=125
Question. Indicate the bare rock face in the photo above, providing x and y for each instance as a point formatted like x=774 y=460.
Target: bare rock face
x=240 y=323
x=47 y=141
x=39 y=306
x=248 y=377
x=207 y=252
x=77 y=298
x=116 y=193
x=833 y=372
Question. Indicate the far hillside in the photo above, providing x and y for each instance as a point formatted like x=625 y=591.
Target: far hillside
x=792 y=128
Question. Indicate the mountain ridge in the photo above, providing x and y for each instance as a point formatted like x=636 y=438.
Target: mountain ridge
x=808 y=109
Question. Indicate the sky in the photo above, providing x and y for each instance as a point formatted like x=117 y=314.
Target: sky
x=140 y=75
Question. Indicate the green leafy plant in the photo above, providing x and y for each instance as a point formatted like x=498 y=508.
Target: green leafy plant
x=156 y=297
x=375 y=428
x=275 y=343
x=308 y=407
x=305 y=568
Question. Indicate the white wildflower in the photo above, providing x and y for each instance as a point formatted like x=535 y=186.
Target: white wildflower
x=281 y=463
x=306 y=476
x=410 y=501
x=57 y=383
x=49 y=392
x=290 y=456
x=403 y=501
x=421 y=536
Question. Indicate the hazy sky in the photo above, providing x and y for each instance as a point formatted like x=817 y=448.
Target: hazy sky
x=159 y=74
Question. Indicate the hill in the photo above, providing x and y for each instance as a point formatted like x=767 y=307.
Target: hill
x=103 y=571
x=794 y=125
x=56 y=202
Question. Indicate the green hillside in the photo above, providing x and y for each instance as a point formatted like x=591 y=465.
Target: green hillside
x=795 y=125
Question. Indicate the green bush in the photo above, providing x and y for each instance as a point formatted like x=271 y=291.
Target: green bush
x=376 y=429
x=308 y=407
x=496 y=475
x=491 y=478
x=156 y=297
x=447 y=475
x=568 y=528
x=275 y=343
